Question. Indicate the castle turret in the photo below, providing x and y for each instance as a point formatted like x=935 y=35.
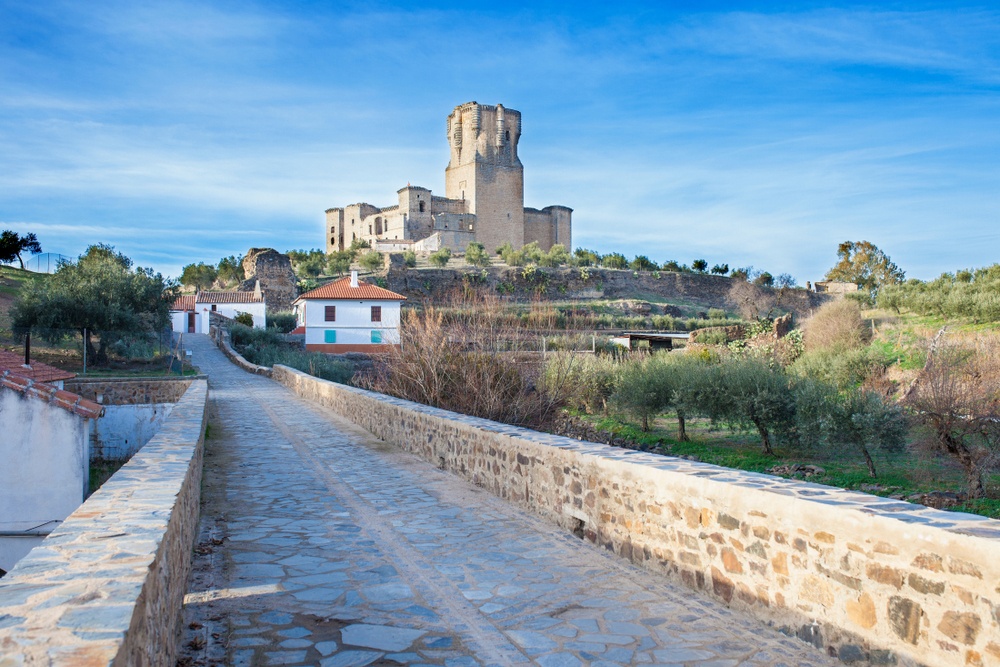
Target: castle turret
x=484 y=171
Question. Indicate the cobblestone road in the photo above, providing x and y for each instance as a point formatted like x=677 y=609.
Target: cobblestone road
x=321 y=545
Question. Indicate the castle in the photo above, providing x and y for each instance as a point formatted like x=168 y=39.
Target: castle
x=483 y=202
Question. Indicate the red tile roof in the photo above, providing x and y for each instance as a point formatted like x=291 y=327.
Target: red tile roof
x=185 y=302
x=37 y=371
x=66 y=400
x=229 y=297
x=341 y=289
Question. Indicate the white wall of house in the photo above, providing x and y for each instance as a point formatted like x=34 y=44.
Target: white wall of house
x=231 y=310
x=179 y=322
x=353 y=325
x=45 y=471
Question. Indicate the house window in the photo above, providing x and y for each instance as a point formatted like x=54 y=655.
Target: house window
x=376 y=336
x=421 y=207
x=214 y=307
x=330 y=315
x=330 y=336
x=376 y=313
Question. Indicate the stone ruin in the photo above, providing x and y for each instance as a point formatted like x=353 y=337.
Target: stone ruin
x=277 y=279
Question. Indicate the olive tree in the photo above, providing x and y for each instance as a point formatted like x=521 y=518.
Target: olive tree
x=99 y=293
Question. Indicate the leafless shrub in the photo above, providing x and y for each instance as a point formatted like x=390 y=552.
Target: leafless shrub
x=957 y=396
x=478 y=365
x=752 y=302
x=836 y=325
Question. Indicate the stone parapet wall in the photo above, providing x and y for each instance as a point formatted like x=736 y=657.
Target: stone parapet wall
x=221 y=338
x=862 y=577
x=106 y=587
x=130 y=391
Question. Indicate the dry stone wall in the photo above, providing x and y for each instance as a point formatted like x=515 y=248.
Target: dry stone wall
x=106 y=587
x=129 y=391
x=705 y=290
x=865 y=578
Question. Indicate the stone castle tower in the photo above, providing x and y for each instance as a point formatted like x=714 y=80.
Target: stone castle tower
x=484 y=170
x=483 y=199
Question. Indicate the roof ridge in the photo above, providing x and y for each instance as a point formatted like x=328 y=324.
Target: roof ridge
x=60 y=398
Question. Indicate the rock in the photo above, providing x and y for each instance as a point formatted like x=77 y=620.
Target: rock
x=277 y=279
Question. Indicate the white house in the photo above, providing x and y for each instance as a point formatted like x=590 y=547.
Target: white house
x=45 y=451
x=348 y=315
x=190 y=313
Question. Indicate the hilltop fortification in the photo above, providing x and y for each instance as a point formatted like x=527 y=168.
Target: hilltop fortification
x=483 y=199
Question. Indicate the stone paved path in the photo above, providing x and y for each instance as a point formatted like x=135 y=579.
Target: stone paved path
x=321 y=545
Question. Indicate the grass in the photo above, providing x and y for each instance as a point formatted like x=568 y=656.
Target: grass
x=900 y=475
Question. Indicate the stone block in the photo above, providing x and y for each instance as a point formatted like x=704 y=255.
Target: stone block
x=960 y=626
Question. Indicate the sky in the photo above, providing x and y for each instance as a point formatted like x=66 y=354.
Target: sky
x=752 y=134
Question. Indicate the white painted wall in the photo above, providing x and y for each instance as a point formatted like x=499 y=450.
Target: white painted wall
x=124 y=429
x=45 y=468
x=231 y=310
x=353 y=325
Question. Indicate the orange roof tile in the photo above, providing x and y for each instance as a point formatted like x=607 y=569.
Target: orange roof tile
x=185 y=302
x=37 y=371
x=66 y=400
x=341 y=289
x=228 y=297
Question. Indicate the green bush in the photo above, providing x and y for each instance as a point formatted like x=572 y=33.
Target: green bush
x=441 y=257
x=266 y=347
x=372 y=261
x=844 y=369
x=245 y=319
x=475 y=254
x=410 y=258
x=282 y=321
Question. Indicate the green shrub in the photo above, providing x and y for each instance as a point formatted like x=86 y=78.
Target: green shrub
x=245 y=319
x=372 y=261
x=716 y=314
x=410 y=258
x=441 y=257
x=282 y=321
x=475 y=254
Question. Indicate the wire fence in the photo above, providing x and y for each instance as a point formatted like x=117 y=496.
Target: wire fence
x=46 y=262
x=96 y=352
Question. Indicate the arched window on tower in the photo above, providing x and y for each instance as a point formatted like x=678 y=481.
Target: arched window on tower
x=421 y=207
x=506 y=135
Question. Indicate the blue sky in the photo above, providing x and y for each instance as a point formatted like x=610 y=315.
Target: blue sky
x=748 y=133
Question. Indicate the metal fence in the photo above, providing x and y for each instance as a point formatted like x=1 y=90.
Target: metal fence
x=46 y=262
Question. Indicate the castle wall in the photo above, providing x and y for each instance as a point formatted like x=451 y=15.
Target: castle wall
x=548 y=227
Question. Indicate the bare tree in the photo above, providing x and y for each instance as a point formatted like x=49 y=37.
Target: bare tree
x=956 y=398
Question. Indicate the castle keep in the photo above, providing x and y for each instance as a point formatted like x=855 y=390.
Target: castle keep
x=483 y=202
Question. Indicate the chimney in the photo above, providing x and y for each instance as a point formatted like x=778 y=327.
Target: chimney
x=256 y=291
x=354 y=278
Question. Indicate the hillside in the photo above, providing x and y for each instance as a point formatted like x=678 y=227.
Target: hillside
x=663 y=292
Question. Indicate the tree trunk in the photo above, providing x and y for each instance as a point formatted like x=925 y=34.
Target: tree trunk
x=102 y=354
x=682 y=435
x=645 y=423
x=91 y=352
x=765 y=438
x=869 y=462
x=974 y=482
x=20 y=260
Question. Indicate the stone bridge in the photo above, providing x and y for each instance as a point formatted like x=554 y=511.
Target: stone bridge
x=341 y=528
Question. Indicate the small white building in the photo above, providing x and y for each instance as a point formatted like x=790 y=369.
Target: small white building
x=45 y=451
x=348 y=315
x=190 y=314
